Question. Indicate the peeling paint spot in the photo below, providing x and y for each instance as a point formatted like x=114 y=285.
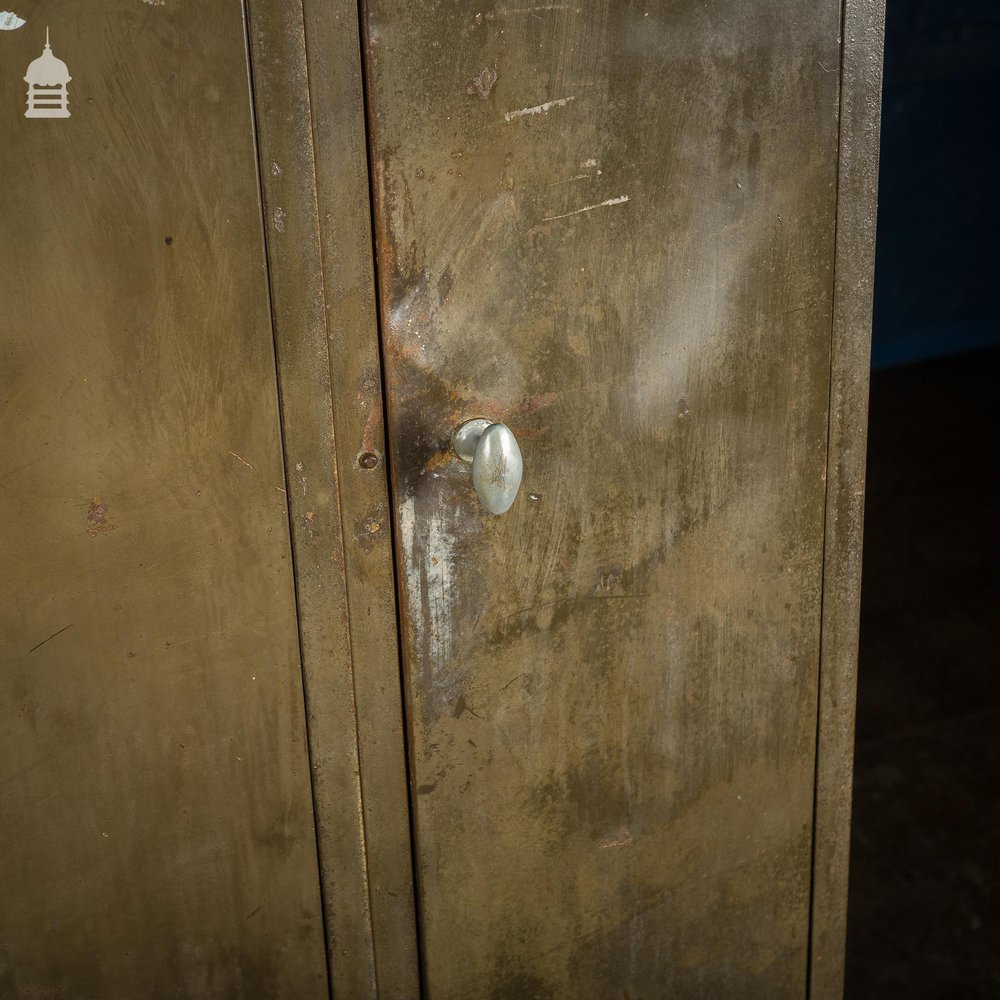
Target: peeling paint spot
x=9 y=21
x=367 y=531
x=483 y=83
x=511 y=116
x=279 y=219
x=620 y=200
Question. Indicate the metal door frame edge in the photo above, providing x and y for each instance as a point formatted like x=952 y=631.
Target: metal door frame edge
x=854 y=267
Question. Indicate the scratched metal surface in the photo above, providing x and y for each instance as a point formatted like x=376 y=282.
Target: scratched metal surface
x=611 y=227
x=156 y=834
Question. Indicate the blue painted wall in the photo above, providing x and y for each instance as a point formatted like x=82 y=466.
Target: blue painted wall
x=937 y=273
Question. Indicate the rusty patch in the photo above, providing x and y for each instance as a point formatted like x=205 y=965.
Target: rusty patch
x=97 y=515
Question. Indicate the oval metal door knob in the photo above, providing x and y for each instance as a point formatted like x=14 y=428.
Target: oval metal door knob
x=497 y=465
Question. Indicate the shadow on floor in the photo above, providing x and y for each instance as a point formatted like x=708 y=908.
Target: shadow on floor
x=924 y=905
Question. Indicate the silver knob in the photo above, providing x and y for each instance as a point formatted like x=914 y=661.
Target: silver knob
x=497 y=466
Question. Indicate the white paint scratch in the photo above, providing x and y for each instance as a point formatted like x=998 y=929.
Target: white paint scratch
x=620 y=842
x=561 y=102
x=620 y=200
x=439 y=581
x=431 y=583
x=567 y=180
x=408 y=532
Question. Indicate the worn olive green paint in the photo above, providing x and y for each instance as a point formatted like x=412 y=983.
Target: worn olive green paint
x=860 y=105
x=156 y=833
x=611 y=227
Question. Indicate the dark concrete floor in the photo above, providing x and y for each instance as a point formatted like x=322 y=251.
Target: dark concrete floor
x=924 y=908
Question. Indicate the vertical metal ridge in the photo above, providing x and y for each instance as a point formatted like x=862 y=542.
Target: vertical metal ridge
x=293 y=548
x=300 y=275
x=334 y=58
x=373 y=204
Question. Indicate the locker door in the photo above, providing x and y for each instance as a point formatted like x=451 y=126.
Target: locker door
x=610 y=227
x=156 y=828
